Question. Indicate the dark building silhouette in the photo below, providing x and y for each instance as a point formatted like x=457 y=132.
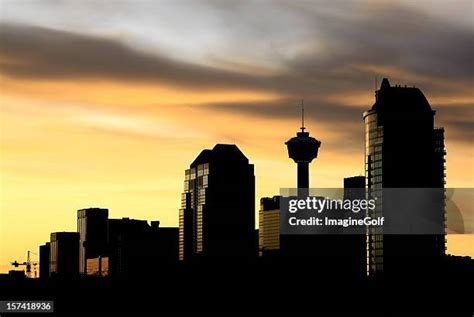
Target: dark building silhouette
x=403 y=149
x=217 y=218
x=168 y=243
x=335 y=253
x=122 y=247
x=354 y=246
x=44 y=257
x=64 y=254
x=16 y=276
x=92 y=228
x=136 y=248
x=355 y=182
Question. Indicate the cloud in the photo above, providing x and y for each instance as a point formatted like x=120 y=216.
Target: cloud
x=321 y=51
x=458 y=120
x=286 y=108
x=343 y=125
x=326 y=53
x=39 y=53
x=394 y=35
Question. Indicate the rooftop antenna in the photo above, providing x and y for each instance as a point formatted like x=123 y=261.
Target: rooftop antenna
x=302 y=116
x=376 y=91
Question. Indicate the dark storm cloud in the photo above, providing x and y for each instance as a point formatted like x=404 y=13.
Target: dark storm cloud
x=394 y=36
x=385 y=36
x=39 y=53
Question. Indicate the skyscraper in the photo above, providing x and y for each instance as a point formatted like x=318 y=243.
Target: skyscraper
x=92 y=228
x=64 y=254
x=402 y=150
x=217 y=217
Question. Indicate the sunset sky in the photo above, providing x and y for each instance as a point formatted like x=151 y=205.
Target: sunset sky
x=106 y=103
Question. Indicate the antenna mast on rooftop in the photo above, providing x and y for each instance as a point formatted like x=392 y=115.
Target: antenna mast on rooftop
x=302 y=116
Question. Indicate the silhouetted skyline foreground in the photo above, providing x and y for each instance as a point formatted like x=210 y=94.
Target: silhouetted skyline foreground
x=216 y=260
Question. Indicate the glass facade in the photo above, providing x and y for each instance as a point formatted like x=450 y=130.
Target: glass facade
x=374 y=178
x=81 y=228
x=269 y=225
x=439 y=174
x=193 y=201
x=181 y=227
x=269 y=232
x=98 y=266
x=53 y=261
x=92 y=228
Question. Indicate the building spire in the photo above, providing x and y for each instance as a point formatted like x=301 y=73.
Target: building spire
x=385 y=84
x=302 y=116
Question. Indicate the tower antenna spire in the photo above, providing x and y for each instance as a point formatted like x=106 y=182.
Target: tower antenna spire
x=302 y=115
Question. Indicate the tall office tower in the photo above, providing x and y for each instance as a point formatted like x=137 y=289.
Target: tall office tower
x=64 y=254
x=303 y=149
x=44 y=256
x=269 y=226
x=217 y=218
x=402 y=150
x=92 y=228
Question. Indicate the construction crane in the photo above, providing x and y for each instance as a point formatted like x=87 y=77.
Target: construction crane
x=28 y=264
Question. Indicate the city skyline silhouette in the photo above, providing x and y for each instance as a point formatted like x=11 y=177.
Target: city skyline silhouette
x=106 y=109
x=217 y=240
x=158 y=155
x=407 y=98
